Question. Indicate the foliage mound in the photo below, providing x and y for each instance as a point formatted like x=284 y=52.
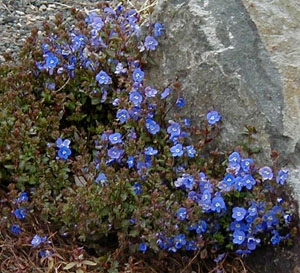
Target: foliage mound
x=90 y=151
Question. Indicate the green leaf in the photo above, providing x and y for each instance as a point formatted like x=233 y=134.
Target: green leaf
x=10 y=167
x=96 y=101
x=89 y=263
x=70 y=265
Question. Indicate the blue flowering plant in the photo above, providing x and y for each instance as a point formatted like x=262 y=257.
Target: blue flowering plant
x=106 y=159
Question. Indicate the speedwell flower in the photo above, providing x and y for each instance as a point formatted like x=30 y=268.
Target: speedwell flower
x=213 y=117
x=115 y=138
x=138 y=75
x=176 y=150
x=238 y=213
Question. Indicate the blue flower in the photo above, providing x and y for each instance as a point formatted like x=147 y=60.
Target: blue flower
x=62 y=143
x=203 y=178
x=180 y=102
x=260 y=228
x=158 y=29
x=206 y=197
x=287 y=218
x=137 y=188
x=238 y=237
x=20 y=213
x=234 y=159
x=276 y=238
x=187 y=122
x=217 y=204
x=181 y=214
x=252 y=210
x=266 y=173
x=191 y=245
x=270 y=219
x=64 y=152
x=179 y=241
x=51 y=61
x=116 y=102
x=150 y=92
x=243 y=252
x=122 y=115
x=46 y=253
x=120 y=69
x=239 y=183
x=236 y=225
x=193 y=226
x=219 y=259
x=51 y=86
x=202 y=227
x=115 y=138
x=138 y=75
x=176 y=150
x=152 y=126
x=143 y=247
x=130 y=161
x=205 y=186
x=174 y=129
x=23 y=197
x=188 y=181
x=252 y=242
x=192 y=195
x=172 y=249
x=213 y=117
x=165 y=93
x=150 y=151
x=135 y=112
x=45 y=47
x=103 y=78
x=238 y=213
x=178 y=182
x=79 y=41
x=136 y=97
x=97 y=23
x=115 y=153
x=246 y=164
x=229 y=179
x=16 y=229
x=249 y=181
x=37 y=240
x=282 y=177
x=101 y=178
x=191 y=152
x=150 y=43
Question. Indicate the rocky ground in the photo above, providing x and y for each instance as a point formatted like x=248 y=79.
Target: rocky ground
x=17 y=17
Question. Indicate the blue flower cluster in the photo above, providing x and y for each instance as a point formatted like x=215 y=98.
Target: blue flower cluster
x=247 y=224
x=21 y=214
x=148 y=147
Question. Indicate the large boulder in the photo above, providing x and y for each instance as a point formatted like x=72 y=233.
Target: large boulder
x=241 y=58
x=215 y=50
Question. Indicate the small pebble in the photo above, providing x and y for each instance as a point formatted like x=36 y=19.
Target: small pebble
x=20 y=12
x=43 y=8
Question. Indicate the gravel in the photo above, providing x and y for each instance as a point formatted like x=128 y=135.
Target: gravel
x=18 y=17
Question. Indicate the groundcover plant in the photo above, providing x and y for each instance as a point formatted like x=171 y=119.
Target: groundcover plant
x=91 y=154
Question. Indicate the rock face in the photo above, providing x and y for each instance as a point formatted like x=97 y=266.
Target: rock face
x=242 y=59
x=215 y=50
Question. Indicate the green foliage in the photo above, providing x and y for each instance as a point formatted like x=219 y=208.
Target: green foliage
x=132 y=181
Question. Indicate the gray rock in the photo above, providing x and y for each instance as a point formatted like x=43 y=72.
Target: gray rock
x=8 y=19
x=43 y=8
x=278 y=24
x=214 y=49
